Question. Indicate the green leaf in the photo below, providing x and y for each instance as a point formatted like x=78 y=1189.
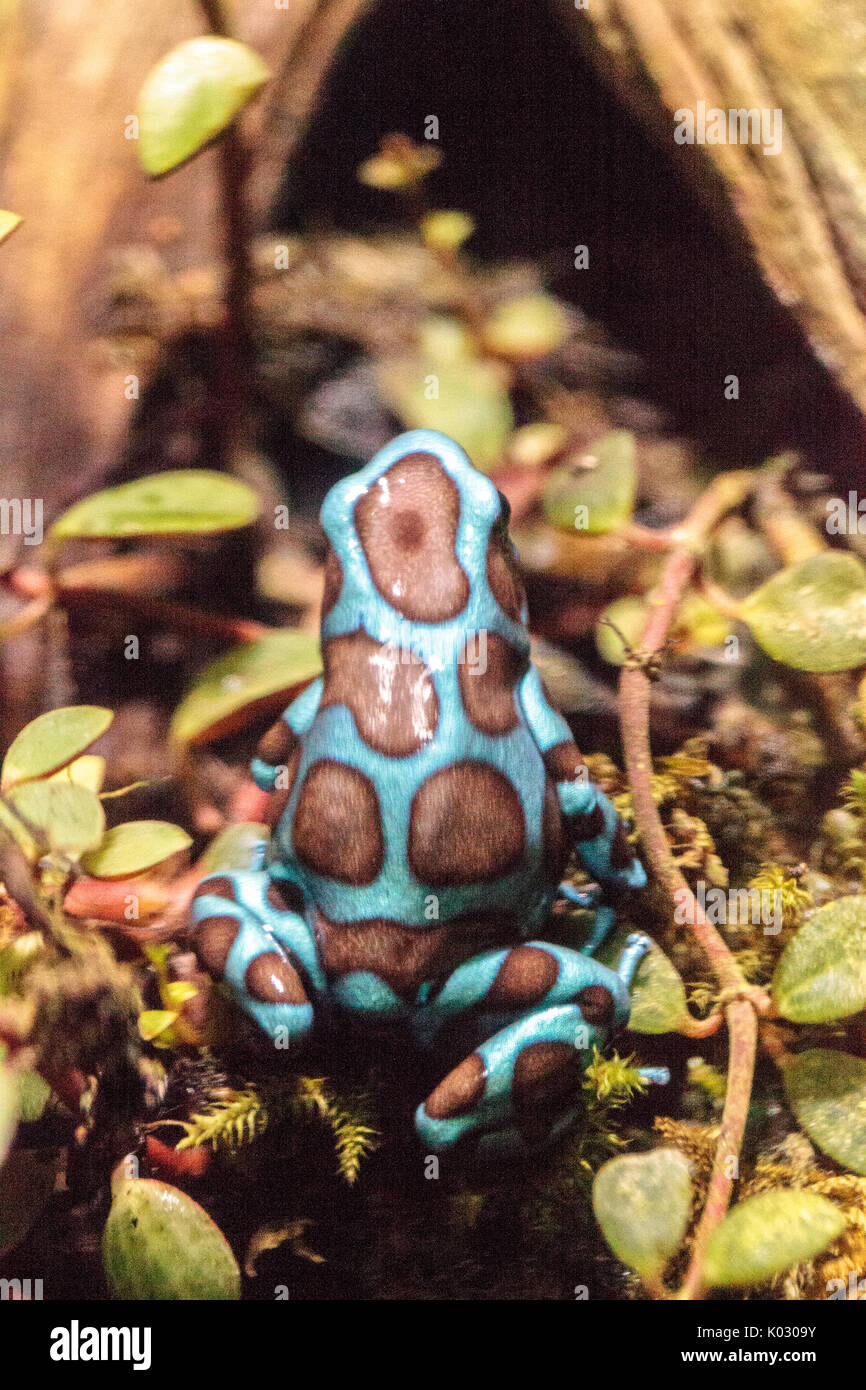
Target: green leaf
x=19 y=833
x=160 y=1244
x=245 y=682
x=8 y=222
x=191 y=95
x=467 y=401
x=595 y=491
x=812 y=615
x=642 y=1203
x=821 y=974
x=87 y=771
x=628 y=616
x=526 y=328
x=33 y=1093
x=178 y=992
x=8 y=1109
x=69 y=816
x=135 y=846
x=155 y=1021
x=239 y=846
x=827 y=1092
x=765 y=1235
x=16 y=958
x=658 y=995
x=189 y=501
x=27 y=1180
x=51 y=741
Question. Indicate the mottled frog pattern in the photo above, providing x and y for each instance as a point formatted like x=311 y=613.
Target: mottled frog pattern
x=428 y=799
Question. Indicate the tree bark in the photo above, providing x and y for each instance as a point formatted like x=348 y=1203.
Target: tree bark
x=801 y=211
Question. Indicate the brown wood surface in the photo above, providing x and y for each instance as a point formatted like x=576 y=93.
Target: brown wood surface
x=802 y=211
x=70 y=74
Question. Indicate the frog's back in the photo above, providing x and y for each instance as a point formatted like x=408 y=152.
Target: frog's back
x=420 y=796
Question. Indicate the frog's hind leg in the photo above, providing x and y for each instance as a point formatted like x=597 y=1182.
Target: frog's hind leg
x=517 y=1091
x=248 y=933
x=522 y=1087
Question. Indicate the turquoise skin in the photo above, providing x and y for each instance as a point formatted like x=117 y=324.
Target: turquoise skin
x=428 y=799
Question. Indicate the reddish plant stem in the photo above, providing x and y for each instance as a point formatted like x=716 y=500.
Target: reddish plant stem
x=235 y=365
x=743 y=1031
x=720 y=598
x=645 y=538
x=68 y=592
x=701 y=1027
x=181 y=616
x=726 y=492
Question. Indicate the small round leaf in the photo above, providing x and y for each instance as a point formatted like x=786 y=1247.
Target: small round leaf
x=467 y=401
x=191 y=95
x=53 y=740
x=446 y=229
x=398 y=163
x=33 y=1095
x=188 y=501
x=821 y=974
x=155 y=1021
x=642 y=1203
x=239 y=846
x=245 y=682
x=658 y=995
x=8 y=222
x=69 y=816
x=767 y=1234
x=827 y=1092
x=160 y=1244
x=526 y=328
x=135 y=846
x=87 y=771
x=594 y=491
x=626 y=616
x=812 y=615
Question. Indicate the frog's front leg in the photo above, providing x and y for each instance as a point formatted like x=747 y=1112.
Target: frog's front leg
x=590 y=821
x=521 y=1088
x=280 y=747
x=249 y=932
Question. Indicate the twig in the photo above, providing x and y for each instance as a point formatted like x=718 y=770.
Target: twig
x=28 y=617
x=234 y=365
x=743 y=1030
x=743 y=1000
x=700 y=1027
x=279 y=121
x=647 y=538
x=181 y=616
x=72 y=594
x=789 y=533
x=719 y=597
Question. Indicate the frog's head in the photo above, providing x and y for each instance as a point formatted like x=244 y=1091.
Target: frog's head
x=420 y=528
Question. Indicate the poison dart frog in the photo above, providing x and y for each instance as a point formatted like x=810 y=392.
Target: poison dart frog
x=428 y=799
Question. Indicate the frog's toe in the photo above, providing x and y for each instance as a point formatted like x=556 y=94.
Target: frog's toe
x=267 y=978
x=455 y=1108
x=516 y=1093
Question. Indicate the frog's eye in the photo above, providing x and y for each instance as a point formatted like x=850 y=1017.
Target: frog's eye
x=504 y=509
